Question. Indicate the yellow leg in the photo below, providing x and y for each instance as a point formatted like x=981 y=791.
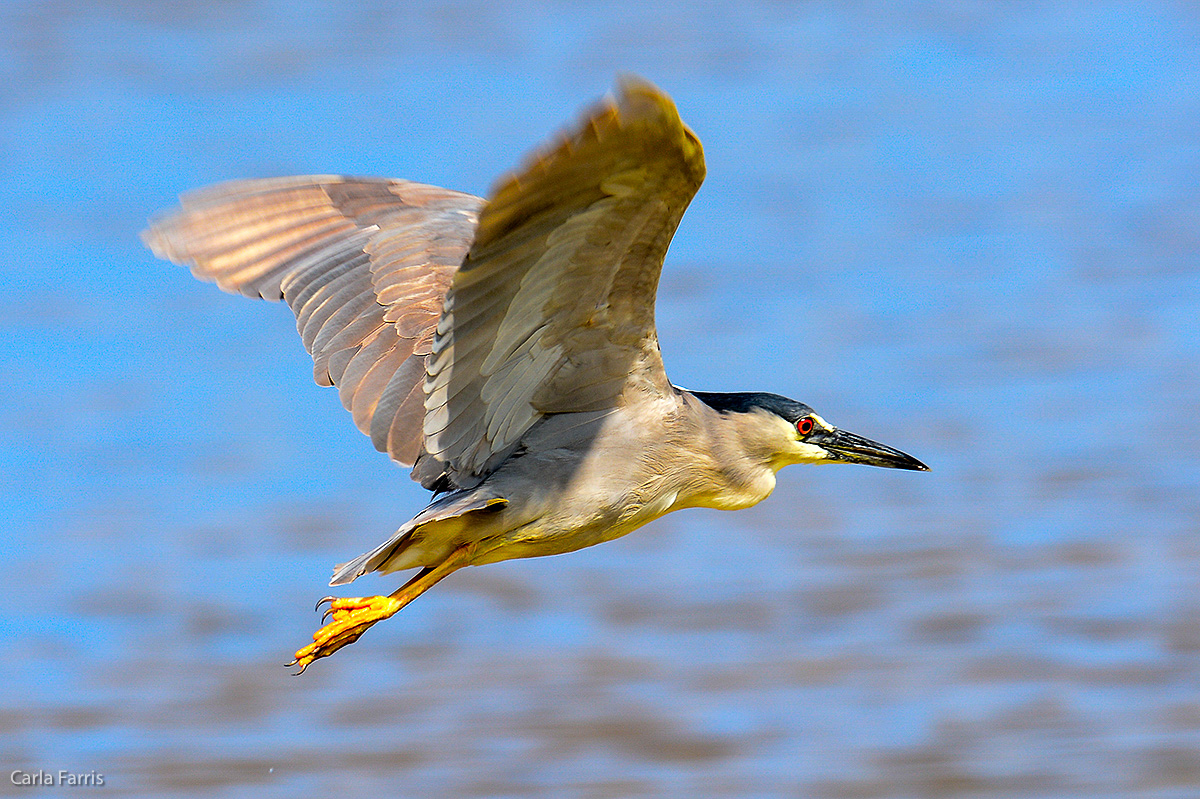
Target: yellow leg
x=351 y=616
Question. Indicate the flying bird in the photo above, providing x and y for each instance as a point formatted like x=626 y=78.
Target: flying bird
x=505 y=348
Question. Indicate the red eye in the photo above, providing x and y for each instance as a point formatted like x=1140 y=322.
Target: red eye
x=805 y=426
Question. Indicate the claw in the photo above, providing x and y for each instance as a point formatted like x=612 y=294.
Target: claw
x=351 y=616
x=348 y=618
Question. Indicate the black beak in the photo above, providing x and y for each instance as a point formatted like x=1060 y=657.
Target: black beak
x=845 y=446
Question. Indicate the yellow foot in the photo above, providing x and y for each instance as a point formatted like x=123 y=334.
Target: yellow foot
x=351 y=616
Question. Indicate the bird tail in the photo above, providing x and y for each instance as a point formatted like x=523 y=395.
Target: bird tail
x=410 y=547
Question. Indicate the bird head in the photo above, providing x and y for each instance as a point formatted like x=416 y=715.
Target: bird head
x=786 y=432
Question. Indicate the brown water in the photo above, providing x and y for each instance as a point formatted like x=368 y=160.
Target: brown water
x=967 y=230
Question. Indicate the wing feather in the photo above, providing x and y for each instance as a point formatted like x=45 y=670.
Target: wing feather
x=553 y=309
x=375 y=347
x=363 y=263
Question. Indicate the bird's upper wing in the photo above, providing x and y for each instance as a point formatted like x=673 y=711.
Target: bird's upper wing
x=553 y=309
x=363 y=263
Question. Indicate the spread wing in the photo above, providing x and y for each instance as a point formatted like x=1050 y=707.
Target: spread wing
x=364 y=265
x=553 y=309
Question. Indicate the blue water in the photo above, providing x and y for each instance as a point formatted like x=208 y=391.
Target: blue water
x=966 y=229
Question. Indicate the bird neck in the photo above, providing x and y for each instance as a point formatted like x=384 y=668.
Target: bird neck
x=741 y=456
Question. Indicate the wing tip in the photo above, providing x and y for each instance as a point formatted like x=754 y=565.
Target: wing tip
x=636 y=101
x=156 y=236
x=638 y=98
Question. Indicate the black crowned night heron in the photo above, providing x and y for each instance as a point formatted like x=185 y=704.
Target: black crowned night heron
x=505 y=348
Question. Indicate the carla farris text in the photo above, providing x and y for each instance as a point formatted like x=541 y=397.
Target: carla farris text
x=60 y=777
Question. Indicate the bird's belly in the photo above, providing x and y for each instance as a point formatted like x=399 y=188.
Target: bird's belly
x=572 y=525
x=569 y=497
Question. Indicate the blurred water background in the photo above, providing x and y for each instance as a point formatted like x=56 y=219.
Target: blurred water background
x=970 y=230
